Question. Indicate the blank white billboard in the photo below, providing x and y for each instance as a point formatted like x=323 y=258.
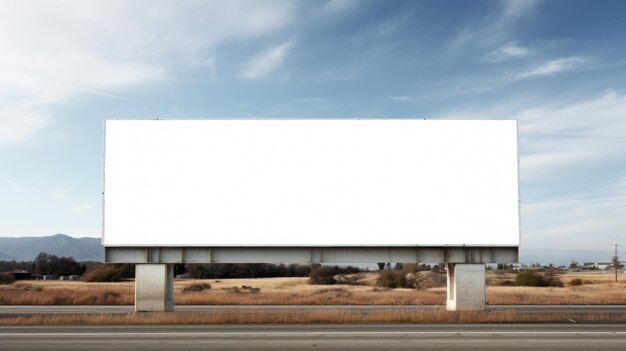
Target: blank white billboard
x=311 y=183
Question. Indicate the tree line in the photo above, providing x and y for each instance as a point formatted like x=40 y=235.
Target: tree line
x=245 y=270
x=46 y=264
x=49 y=264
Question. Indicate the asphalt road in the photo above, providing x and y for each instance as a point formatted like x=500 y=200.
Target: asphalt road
x=319 y=337
x=304 y=308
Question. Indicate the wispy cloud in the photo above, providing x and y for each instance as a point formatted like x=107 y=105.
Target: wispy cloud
x=552 y=67
x=505 y=52
x=492 y=28
x=485 y=82
x=55 y=51
x=514 y=8
x=400 y=98
x=100 y=93
x=338 y=6
x=267 y=61
x=21 y=121
x=315 y=100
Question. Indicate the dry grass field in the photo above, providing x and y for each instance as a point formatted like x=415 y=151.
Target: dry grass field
x=598 y=289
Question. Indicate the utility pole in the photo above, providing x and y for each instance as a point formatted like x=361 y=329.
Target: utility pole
x=616 y=261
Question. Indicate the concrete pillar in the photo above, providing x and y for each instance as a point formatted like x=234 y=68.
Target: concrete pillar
x=154 y=287
x=466 y=287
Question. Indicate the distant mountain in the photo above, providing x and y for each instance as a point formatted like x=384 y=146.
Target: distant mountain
x=5 y=257
x=27 y=248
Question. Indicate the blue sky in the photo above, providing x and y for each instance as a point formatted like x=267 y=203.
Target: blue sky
x=557 y=66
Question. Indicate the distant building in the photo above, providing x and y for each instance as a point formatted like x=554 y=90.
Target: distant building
x=517 y=267
x=69 y=277
x=21 y=275
x=597 y=266
x=603 y=265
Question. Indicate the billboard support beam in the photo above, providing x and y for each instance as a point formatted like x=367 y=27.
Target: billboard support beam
x=154 y=287
x=466 y=287
x=309 y=255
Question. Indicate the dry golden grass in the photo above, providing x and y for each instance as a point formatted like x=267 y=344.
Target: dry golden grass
x=297 y=291
x=596 y=294
x=283 y=317
x=598 y=289
x=67 y=293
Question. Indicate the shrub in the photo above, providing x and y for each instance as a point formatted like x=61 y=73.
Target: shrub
x=391 y=279
x=529 y=278
x=104 y=274
x=6 y=278
x=323 y=275
x=245 y=270
x=197 y=287
x=250 y=289
x=552 y=280
x=576 y=282
x=109 y=273
x=244 y=289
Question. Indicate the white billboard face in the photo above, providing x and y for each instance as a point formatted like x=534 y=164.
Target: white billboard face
x=311 y=183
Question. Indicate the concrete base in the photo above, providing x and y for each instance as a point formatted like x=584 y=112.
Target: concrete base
x=154 y=287
x=466 y=287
